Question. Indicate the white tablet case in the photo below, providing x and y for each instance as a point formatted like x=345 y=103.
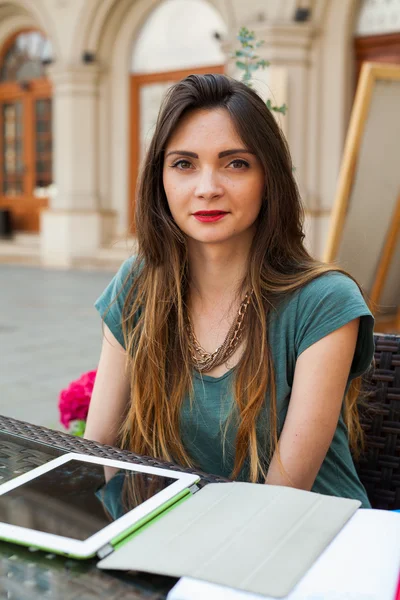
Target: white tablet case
x=256 y=538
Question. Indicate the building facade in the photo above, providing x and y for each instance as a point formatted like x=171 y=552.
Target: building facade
x=81 y=82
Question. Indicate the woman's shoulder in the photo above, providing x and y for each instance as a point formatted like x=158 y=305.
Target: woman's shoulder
x=324 y=303
x=331 y=282
x=129 y=267
x=330 y=287
x=122 y=280
x=111 y=302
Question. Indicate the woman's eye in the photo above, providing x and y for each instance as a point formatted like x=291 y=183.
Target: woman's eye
x=239 y=164
x=182 y=164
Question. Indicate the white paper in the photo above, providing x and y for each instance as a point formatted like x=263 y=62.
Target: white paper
x=361 y=563
x=194 y=589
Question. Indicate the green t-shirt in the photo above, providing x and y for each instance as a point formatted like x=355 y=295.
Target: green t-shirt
x=300 y=320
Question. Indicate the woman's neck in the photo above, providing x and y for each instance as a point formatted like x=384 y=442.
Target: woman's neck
x=216 y=271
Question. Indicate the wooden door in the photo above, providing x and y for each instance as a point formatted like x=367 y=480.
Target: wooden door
x=25 y=151
x=146 y=92
x=377 y=48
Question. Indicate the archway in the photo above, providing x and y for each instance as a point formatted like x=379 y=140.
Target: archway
x=25 y=127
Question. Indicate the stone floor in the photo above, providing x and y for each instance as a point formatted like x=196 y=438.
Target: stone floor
x=50 y=334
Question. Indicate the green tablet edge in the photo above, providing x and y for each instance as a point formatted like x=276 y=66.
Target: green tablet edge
x=119 y=540
x=156 y=515
x=136 y=528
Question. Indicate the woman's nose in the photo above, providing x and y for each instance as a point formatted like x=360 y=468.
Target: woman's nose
x=208 y=184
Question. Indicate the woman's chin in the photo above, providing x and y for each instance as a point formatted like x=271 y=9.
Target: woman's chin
x=210 y=239
x=215 y=236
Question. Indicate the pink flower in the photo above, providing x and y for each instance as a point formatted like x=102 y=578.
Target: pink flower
x=74 y=401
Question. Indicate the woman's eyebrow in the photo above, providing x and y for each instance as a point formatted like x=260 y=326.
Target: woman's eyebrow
x=234 y=151
x=220 y=155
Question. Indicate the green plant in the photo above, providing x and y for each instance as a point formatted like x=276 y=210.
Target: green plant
x=249 y=61
x=78 y=428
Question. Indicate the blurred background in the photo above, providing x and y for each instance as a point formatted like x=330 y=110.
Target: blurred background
x=80 y=86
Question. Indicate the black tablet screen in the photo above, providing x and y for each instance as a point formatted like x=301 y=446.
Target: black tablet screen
x=77 y=499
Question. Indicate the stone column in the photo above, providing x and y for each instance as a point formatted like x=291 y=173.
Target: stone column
x=74 y=226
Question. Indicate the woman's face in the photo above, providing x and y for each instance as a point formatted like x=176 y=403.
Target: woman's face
x=213 y=183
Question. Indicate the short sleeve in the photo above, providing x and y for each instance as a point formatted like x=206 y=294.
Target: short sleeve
x=111 y=302
x=328 y=303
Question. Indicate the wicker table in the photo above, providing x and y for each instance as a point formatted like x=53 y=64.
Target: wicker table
x=28 y=575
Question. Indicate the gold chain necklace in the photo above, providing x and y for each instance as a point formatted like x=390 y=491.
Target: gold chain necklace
x=204 y=361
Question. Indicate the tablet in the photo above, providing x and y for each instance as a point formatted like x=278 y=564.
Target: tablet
x=80 y=506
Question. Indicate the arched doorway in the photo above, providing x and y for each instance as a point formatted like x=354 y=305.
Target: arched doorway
x=25 y=128
x=180 y=37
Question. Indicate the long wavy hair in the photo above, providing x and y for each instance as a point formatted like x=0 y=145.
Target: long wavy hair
x=154 y=312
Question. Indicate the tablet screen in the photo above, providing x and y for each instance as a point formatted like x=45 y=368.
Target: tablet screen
x=78 y=499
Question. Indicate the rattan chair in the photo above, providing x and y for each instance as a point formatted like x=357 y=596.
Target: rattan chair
x=379 y=465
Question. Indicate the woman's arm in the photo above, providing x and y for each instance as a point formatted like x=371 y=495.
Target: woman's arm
x=110 y=395
x=319 y=384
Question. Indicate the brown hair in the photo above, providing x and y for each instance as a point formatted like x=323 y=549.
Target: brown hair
x=153 y=316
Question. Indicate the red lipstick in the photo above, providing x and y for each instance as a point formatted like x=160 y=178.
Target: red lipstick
x=209 y=216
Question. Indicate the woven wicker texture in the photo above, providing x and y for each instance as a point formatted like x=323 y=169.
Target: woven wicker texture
x=379 y=467
x=58 y=443
x=15 y=460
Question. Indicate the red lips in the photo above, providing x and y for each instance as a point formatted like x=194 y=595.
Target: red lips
x=209 y=216
x=210 y=213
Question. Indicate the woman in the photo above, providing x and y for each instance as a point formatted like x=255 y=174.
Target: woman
x=226 y=346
